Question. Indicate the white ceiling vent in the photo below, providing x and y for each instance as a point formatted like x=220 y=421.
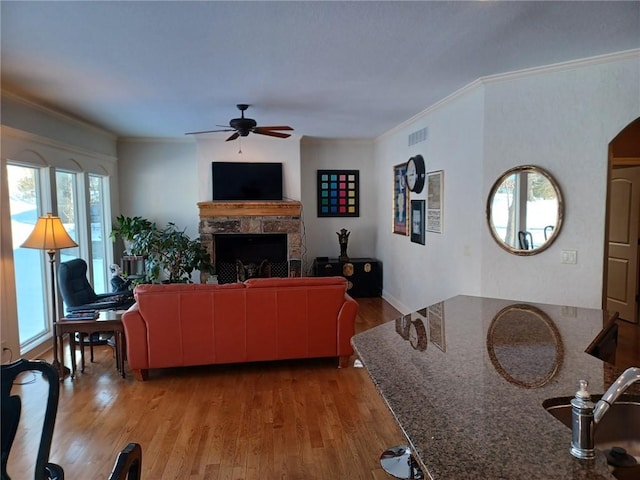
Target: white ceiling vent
x=418 y=136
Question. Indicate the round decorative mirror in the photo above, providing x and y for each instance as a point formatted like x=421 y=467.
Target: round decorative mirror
x=525 y=346
x=525 y=210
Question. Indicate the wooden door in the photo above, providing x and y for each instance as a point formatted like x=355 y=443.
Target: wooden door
x=624 y=235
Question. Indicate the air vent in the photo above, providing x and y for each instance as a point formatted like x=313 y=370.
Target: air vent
x=418 y=136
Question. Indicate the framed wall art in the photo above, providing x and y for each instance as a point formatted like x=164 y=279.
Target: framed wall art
x=338 y=193
x=400 y=200
x=435 y=196
x=417 y=221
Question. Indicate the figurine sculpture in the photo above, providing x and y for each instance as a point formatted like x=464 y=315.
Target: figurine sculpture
x=343 y=238
x=118 y=283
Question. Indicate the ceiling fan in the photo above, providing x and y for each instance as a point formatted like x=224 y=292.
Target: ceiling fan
x=243 y=126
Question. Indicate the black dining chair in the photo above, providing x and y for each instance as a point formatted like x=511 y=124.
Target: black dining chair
x=548 y=230
x=525 y=239
x=128 y=465
x=12 y=407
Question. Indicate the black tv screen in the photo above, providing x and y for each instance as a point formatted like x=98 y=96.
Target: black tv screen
x=246 y=181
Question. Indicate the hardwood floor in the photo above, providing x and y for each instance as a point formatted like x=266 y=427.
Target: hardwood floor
x=286 y=420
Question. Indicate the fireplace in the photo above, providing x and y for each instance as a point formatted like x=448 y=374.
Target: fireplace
x=265 y=230
x=252 y=251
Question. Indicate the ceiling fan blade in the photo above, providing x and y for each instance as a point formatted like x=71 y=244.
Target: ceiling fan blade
x=276 y=127
x=233 y=137
x=209 y=131
x=271 y=134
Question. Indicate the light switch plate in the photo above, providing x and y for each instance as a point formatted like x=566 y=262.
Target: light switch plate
x=570 y=257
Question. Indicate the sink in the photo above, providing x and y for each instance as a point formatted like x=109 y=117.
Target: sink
x=620 y=426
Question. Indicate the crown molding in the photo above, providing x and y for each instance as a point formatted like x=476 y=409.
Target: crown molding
x=31 y=103
x=11 y=132
x=558 y=67
x=186 y=141
x=309 y=140
x=490 y=79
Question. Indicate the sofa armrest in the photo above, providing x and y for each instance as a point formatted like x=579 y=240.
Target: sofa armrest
x=346 y=325
x=135 y=329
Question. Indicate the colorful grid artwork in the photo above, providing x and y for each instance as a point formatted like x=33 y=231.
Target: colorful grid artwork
x=338 y=193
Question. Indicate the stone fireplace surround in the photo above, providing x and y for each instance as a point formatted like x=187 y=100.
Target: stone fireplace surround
x=253 y=217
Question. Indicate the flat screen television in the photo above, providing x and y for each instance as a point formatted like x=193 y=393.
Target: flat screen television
x=246 y=181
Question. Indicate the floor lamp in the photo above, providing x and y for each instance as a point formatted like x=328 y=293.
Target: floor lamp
x=49 y=234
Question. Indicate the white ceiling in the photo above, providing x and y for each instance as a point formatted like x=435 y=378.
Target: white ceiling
x=328 y=69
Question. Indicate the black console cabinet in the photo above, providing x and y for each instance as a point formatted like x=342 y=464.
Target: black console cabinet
x=364 y=275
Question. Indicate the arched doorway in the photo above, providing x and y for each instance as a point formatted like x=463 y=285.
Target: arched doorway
x=621 y=283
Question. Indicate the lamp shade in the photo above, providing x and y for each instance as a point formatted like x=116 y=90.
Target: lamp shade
x=49 y=234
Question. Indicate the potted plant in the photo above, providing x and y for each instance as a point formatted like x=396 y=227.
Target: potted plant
x=128 y=227
x=172 y=252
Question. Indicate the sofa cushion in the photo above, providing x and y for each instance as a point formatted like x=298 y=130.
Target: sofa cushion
x=294 y=317
x=193 y=323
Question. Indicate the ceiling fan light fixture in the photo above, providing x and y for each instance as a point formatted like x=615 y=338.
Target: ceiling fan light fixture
x=242 y=127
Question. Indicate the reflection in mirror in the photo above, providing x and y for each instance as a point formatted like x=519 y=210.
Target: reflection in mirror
x=402 y=326
x=525 y=210
x=418 y=336
x=413 y=330
x=435 y=317
x=525 y=346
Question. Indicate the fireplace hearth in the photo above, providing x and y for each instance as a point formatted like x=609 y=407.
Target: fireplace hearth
x=269 y=231
x=243 y=256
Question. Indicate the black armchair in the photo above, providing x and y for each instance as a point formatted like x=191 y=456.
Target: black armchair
x=78 y=294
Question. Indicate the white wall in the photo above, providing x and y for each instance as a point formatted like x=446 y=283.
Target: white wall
x=321 y=237
x=159 y=181
x=254 y=149
x=561 y=119
x=449 y=263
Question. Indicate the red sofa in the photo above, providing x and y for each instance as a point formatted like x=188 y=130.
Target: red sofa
x=261 y=319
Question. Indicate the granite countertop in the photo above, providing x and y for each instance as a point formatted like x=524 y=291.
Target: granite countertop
x=466 y=379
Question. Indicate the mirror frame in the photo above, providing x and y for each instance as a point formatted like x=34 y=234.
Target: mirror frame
x=556 y=230
x=553 y=330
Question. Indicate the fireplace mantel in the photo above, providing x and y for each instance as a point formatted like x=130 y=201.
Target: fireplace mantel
x=250 y=208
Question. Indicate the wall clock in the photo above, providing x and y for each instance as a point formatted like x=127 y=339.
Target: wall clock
x=418 y=335
x=415 y=173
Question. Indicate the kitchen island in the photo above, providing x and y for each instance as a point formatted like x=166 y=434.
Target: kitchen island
x=466 y=379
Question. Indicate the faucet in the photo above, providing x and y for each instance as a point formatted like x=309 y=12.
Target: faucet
x=586 y=415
